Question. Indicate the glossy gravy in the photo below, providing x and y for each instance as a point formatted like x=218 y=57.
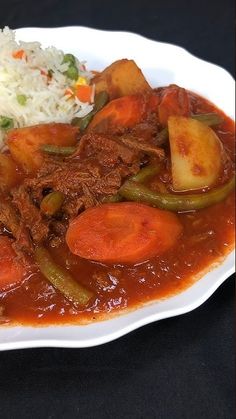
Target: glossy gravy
x=208 y=236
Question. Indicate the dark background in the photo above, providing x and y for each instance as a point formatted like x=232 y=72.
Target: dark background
x=179 y=368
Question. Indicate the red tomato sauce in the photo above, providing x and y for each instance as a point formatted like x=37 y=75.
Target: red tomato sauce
x=208 y=236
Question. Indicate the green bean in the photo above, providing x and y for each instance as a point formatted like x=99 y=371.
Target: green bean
x=52 y=203
x=133 y=191
x=99 y=102
x=142 y=176
x=146 y=173
x=61 y=279
x=110 y=199
x=6 y=123
x=82 y=123
x=55 y=149
x=209 y=119
x=162 y=137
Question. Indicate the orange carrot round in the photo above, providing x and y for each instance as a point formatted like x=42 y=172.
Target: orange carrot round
x=126 y=111
x=12 y=270
x=84 y=93
x=125 y=232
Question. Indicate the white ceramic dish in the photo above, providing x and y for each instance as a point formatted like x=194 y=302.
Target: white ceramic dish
x=162 y=64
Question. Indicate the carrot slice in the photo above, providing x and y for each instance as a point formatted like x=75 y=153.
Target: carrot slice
x=84 y=93
x=12 y=270
x=126 y=111
x=125 y=232
x=19 y=54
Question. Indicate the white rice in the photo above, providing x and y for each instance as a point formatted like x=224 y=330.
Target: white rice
x=45 y=100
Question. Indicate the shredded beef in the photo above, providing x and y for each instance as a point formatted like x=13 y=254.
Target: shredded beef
x=147 y=148
x=15 y=225
x=31 y=215
x=108 y=150
x=96 y=170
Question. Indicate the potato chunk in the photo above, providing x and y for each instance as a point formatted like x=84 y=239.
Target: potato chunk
x=121 y=78
x=196 y=153
x=24 y=143
x=8 y=172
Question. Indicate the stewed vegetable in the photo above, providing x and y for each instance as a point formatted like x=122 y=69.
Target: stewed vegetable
x=25 y=143
x=100 y=101
x=12 y=270
x=52 y=203
x=57 y=150
x=196 y=153
x=61 y=278
x=133 y=191
x=125 y=232
x=126 y=204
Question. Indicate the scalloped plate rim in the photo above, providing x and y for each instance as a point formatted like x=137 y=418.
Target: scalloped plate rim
x=127 y=321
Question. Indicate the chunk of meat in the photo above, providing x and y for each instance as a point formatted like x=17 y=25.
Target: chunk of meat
x=147 y=148
x=147 y=130
x=81 y=189
x=98 y=166
x=96 y=170
x=10 y=219
x=108 y=150
x=175 y=101
x=30 y=215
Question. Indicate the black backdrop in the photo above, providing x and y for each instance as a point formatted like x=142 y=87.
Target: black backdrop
x=179 y=368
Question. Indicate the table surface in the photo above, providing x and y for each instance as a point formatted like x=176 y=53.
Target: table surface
x=173 y=369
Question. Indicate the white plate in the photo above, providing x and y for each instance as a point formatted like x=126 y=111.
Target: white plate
x=162 y=64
